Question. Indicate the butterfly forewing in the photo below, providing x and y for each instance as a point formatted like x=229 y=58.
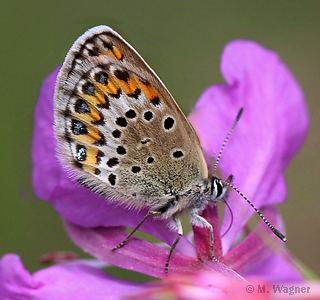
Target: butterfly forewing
x=119 y=128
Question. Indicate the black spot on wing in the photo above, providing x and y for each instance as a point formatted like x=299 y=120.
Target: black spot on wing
x=116 y=133
x=122 y=75
x=168 y=123
x=121 y=121
x=112 y=179
x=148 y=115
x=121 y=150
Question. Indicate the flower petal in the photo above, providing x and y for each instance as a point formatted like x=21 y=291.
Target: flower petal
x=74 y=281
x=15 y=281
x=273 y=126
x=279 y=267
x=137 y=255
x=201 y=285
x=255 y=253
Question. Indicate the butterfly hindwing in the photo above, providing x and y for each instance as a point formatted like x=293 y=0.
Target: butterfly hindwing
x=117 y=125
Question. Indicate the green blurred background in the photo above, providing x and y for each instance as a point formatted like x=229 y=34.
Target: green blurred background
x=182 y=41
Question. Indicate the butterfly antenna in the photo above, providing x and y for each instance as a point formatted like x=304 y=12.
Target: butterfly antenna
x=231 y=214
x=226 y=139
x=274 y=230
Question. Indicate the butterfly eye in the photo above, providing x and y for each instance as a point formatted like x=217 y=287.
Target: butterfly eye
x=218 y=189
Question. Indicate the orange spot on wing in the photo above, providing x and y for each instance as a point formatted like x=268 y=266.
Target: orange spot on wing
x=97 y=98
x=84 y=138
x=93 y=135
x=114 y=53
x=89 y=169
x=100 y=95
x=92 y=116
x=117 y=53
x=127 y=87
x=92 y=156
x=148 y=90
x=111 y=88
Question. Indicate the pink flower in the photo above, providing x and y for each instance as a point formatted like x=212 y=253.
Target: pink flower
x=272 y=129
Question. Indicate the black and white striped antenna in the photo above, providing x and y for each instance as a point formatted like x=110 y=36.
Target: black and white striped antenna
x=229 y=180
x=273 y=229
x=227 y=138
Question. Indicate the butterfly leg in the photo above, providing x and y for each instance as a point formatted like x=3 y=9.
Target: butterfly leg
x=200 y=221
x=150 y=213
x=177 y=222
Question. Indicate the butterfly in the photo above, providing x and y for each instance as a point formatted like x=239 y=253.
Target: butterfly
x=122 y=135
